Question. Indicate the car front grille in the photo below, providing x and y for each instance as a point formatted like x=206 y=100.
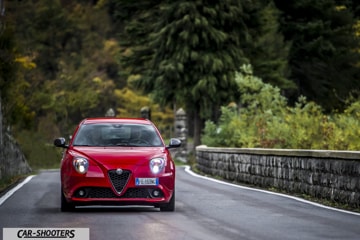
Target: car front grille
x=119 y=181
x=99 y=192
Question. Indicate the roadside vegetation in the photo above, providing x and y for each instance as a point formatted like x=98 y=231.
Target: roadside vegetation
x=8 y=182
x=262 y=118
x=260 y=73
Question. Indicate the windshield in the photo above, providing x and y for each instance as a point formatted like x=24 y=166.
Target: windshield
x=135 y=135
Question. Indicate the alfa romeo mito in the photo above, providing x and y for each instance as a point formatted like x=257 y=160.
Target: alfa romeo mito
x=117 y=161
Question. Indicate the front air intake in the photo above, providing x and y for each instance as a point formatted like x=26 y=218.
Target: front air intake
x=119 y=181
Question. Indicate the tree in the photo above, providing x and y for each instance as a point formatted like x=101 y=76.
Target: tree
x=14 y=106
x=75 y=67
x=267 y=50
x=133 y=22
x=197 y=51
x=45 y=32
x=7 y=55
x=354 y=5
x=322 y=57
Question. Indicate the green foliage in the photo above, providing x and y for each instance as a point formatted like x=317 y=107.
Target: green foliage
x=12 y=84
x=268 y=52
x=131 y=102
x=323 y=56
x=7 y=56
x=198 y=49
x=69 y=63
x=185 y=52
x=264 y=120
x=66 y=70
x=45 y=31
x=133 y=22
x=40 y=153
x=62 y=61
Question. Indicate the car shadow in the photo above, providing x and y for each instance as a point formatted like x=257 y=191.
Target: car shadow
x=100 y=209
x=111 y=209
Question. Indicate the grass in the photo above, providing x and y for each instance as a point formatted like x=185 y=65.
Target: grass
x=40 y=154
x=329 y=203
x=8 y=182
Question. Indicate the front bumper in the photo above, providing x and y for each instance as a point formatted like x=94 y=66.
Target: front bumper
x=112 y=189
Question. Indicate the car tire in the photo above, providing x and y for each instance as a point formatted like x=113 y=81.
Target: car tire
x=65 y=206
x=170 y=206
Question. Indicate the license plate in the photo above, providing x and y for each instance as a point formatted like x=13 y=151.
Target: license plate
x=146 y=181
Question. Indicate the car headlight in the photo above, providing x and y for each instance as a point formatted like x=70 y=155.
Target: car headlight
x=157 y=165
x=81 y=164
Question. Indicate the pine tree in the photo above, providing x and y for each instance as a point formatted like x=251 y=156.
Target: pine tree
x=133 y=23
x=267 y=50
x=198 y=50
x=322 y=57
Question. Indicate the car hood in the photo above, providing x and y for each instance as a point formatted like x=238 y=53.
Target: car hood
x=112 y=157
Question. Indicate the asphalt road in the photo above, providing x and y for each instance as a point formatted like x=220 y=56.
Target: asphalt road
x=205 y=209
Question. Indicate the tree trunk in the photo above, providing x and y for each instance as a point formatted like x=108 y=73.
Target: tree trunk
x=197 y=129
x=1 y=128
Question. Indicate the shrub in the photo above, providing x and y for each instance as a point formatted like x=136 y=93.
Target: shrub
x=264 y=119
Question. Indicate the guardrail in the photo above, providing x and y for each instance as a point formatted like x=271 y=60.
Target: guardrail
x=323 y=174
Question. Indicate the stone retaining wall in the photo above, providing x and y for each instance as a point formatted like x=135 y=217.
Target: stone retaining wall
x=331 y=175
x=12 y=159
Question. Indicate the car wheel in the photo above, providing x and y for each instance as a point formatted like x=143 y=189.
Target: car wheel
x=65 y=206
x=170 y=206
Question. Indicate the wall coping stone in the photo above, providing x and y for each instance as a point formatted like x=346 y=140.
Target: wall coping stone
x=346 y=155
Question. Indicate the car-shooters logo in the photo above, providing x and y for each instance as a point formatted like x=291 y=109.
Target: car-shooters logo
x=46 y=233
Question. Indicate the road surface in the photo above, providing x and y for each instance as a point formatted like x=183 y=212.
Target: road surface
x=206 y=209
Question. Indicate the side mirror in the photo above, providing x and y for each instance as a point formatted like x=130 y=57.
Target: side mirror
x=60 y=142
x=174 y=143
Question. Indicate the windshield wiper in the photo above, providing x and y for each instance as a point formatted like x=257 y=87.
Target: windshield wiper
x=91 y=145
x=126 y=145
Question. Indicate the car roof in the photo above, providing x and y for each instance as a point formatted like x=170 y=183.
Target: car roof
x=116 y=120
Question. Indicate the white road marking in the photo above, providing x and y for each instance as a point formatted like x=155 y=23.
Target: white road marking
x=188 y=170
x=13 y=190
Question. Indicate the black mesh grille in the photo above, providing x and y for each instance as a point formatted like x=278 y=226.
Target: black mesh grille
x=119 y=181
x=98 y=192
x=137 y=193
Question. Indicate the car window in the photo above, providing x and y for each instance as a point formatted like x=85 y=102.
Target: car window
x=117 y=135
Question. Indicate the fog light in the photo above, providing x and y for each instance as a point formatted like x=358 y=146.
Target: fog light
x=156 y=193
x=81 y=193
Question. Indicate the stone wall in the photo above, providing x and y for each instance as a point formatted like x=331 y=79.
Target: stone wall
x=12 y=159
x=331 y=175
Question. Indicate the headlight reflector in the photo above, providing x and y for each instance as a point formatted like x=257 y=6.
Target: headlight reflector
x=81 y=165
x=157 y=165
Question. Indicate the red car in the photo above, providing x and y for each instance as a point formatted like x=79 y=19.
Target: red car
x=117 y=161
